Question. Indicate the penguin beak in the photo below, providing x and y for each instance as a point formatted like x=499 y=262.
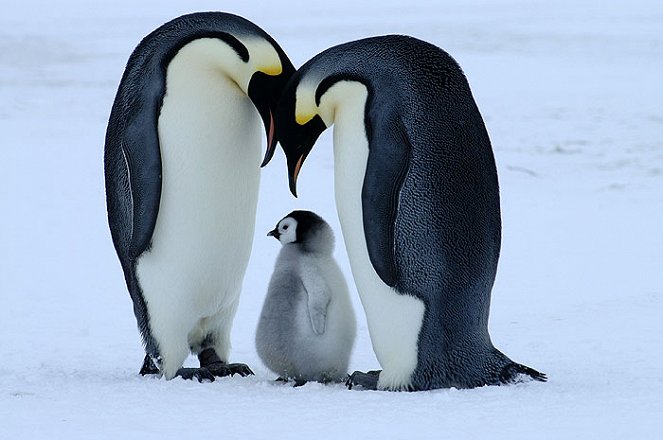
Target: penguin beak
x=274 y=233
x=271 y=140
x=264 y=91
x=294 y=166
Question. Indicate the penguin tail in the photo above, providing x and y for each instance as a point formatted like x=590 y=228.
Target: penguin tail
x=517 y=373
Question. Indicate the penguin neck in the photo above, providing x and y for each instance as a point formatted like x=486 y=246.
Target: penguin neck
x=295 y=251
x=344 y=103
x=344 y=106
x=313 y=249
x=319 y=240
x=214 y=55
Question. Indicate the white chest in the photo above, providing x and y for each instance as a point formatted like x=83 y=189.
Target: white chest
x=210 y=141
x=394 y=320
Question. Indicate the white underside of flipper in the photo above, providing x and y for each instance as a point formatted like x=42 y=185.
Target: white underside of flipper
x=210 y=139
x=394 y=320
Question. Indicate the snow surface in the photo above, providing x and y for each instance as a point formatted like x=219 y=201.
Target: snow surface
x=572 y=96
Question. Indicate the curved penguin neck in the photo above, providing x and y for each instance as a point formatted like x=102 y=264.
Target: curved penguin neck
x=394 y=320
x=212 y=56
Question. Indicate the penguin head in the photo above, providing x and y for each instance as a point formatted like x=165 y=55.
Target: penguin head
x=305 y=229
x=248 y=57
x=296 y=138
x=269 y=71
x=308 y=107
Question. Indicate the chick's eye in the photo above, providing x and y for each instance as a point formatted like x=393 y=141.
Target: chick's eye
x=285 y=227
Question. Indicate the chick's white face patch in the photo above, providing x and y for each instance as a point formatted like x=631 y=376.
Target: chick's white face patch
x=287 y=230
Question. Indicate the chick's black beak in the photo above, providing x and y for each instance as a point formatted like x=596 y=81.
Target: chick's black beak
x=274 y=233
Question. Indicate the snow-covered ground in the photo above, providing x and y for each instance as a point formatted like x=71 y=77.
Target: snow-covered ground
x=572 y=96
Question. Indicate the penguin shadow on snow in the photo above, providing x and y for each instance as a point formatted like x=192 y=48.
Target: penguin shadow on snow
x=307 y=327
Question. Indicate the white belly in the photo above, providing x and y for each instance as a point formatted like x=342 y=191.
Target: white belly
x=210 y=139
x=394 y=320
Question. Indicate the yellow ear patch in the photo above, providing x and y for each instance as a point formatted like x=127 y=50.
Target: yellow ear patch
x=305 y=107
x=273 y=70
x=304 y=117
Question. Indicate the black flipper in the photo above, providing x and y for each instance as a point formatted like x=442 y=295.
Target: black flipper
x=132 y=135
x=388 y=161
x=133 y=194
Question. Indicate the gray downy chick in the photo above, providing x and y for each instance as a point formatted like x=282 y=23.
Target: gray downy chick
x=307 y=326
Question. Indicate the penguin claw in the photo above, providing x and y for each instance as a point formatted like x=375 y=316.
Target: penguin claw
x=201 y=374
x=210 y=360
x=242 y=369
x=222 y=370
x=368 y=380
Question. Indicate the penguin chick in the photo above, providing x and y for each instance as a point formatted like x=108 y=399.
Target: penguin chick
x=307 y=326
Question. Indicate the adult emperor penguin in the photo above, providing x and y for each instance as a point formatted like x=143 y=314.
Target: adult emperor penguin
x=307 y=326
x=417 y=196
x=182 y=162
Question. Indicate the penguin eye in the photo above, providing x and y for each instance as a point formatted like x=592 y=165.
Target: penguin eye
x=285 y=227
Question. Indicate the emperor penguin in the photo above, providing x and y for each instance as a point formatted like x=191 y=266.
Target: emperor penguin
x=307 y=326
x=182 y=161
x=417 y=197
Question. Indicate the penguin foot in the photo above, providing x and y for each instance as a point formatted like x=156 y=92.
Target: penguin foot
x=367 y=380
x=513 y=373
x=299 y=383
x=148 y=367
x=213 y=363
x=201 y=374
x=222 y=370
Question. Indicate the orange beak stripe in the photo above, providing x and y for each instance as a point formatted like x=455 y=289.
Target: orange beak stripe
x=270 y=136
x=298 y=167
